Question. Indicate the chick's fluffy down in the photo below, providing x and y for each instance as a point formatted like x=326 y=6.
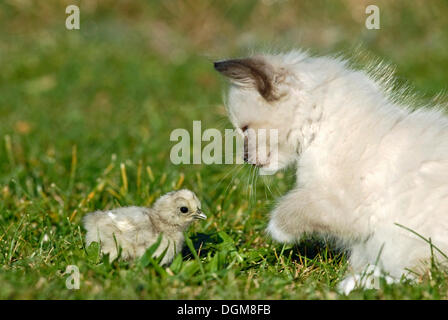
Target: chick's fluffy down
x=135 y=229
x=133 y=232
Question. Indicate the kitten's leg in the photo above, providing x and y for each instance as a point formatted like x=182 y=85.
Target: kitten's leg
x=292 y=217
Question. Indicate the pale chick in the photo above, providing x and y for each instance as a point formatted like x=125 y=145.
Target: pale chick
x=137 y=228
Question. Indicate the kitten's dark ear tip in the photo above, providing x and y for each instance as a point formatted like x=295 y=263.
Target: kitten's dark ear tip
x=219 y=66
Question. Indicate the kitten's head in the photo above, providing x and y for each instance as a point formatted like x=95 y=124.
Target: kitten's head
x=266 y=92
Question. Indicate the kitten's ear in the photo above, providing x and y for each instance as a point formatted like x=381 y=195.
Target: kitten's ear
x=249 y=72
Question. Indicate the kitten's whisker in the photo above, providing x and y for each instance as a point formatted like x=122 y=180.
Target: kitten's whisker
x=267 y=187
x=226 y=175
x=233 y=177
x=256 y=175
x=248 y=190
x=253 y=190
x=250 y=184
x=234 y=173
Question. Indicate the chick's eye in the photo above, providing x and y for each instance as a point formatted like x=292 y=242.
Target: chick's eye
x=183 y=209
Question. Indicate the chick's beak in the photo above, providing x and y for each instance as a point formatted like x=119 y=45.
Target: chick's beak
x=200 y=215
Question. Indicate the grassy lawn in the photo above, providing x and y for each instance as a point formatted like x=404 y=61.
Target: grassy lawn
x=86 y=117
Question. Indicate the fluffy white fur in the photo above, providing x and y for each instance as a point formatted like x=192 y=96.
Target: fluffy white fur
x=135 y=229
x=365 y=161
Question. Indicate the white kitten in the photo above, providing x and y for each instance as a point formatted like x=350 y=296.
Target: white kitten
x=365 y=162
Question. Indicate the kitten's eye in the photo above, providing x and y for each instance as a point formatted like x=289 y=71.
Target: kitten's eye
x=244 y=129
x=183 y=209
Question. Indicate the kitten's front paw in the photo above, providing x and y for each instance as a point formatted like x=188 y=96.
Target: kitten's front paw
x=369 y=279
x=277 y=233
x=349 y=284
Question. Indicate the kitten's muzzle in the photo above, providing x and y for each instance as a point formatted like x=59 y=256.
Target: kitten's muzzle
x=246 y=154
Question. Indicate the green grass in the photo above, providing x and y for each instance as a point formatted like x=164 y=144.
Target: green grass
x=85 y=123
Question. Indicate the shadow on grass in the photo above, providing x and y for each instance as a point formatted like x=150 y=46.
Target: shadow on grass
x=202 y=243
x=310 y=248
